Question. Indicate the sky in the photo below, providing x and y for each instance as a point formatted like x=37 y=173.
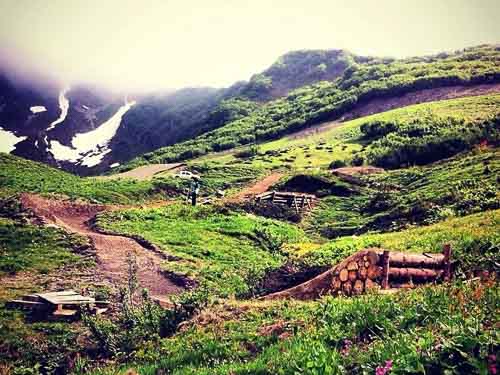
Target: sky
x=157 y=44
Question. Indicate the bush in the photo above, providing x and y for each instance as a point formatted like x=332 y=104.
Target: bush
x=338 y=163
x=357 y=160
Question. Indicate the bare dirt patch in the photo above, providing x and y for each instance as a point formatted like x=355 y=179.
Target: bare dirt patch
x=423 y=96
x=111 y=250
x=259 y=187
x=146 y=172
x=385 y=104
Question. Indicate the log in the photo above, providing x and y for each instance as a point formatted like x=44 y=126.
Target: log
x=337 y=284
x=447 y=262
x=415 y=274
x=365 y=258
x=344 y=274
x=352 y=266
x=362 y=273
x=373 y=257
x=358 y=287
x=385 y=269
x=361 y=263
x=374 y=272
x=367 y=264
x=369 y=284
x=347 y=288
x=406 y=260
x=352 y=276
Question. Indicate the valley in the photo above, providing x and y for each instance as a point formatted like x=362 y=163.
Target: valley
x=399 y=154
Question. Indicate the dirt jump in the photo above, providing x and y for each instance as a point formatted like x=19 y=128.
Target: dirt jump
x=111 y=250
x=259 y=187
x=373 y=269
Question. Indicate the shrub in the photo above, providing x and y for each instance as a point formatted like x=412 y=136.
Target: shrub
x=338 y=163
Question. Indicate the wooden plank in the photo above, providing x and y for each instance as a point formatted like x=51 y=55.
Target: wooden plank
x=447 y=262
x=64 y=297
x=385 y=270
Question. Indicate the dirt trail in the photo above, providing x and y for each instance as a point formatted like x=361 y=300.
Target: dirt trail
x=379 y=105
x=259 y=187
x=111 y=250
x=145 y=172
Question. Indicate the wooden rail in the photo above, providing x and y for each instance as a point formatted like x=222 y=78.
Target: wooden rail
x=299 y=201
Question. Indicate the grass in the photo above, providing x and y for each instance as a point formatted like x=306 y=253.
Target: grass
x=29 y=255
x=475 y=240
x=317 y=150
x=458 y=186
x=444 y=329
x=224 y=251
x=21 y=175
x=34 y=248
x=440 y=329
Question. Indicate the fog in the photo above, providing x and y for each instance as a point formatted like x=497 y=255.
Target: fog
x=150 y=45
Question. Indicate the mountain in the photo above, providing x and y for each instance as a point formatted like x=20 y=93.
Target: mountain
x=375 y=84
x=87 y=130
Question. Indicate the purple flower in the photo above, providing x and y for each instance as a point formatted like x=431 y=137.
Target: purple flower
x=383 y=370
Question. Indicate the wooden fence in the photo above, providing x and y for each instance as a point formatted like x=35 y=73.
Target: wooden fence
x=299 y=201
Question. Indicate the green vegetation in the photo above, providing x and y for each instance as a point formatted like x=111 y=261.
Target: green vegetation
x=225 y=252
x=21 y=175
x=343 y=141
x=326 y=100
x=29 y=256
x=441 y=187
x=28 y=247
x=475 y=240
x=425 y=140
x=444 y=329
x=396 y=199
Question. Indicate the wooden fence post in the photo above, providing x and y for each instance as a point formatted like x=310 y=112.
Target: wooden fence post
x=447 y=262
x=385 y=269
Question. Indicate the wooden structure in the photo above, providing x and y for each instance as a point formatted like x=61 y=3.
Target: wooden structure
x=299 y=201
x=374 y=269
x=59 y=304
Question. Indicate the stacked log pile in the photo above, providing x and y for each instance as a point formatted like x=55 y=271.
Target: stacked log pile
x=374 y=269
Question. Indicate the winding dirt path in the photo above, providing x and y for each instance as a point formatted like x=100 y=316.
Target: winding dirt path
x=111 y=250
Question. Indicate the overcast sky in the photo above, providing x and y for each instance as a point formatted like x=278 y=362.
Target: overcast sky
x=171 y=44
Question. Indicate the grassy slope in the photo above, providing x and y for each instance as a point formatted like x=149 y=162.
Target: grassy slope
x=429 y=330
x=225 y=252
x=455 y=186
x=340 y=142
x=30 y=256
x=21 y=175
x=326 y=100
x=228 y=252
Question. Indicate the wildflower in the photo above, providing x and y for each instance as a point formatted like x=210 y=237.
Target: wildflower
x=346 y=348
x=383 y=370
x=492 y=364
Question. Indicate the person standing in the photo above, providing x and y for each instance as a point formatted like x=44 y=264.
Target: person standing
x=194 y=190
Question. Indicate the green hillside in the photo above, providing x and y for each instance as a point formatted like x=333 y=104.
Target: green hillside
x=21 y=175
x=329 y=100
x=436 y=182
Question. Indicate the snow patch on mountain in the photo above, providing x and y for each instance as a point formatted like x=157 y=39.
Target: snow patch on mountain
x=38 y=108
x=88 y=149
x=8 y=140
x=64 y=105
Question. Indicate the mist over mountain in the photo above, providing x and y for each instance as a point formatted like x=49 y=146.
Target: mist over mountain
x=86 y=129
x=34 y=111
